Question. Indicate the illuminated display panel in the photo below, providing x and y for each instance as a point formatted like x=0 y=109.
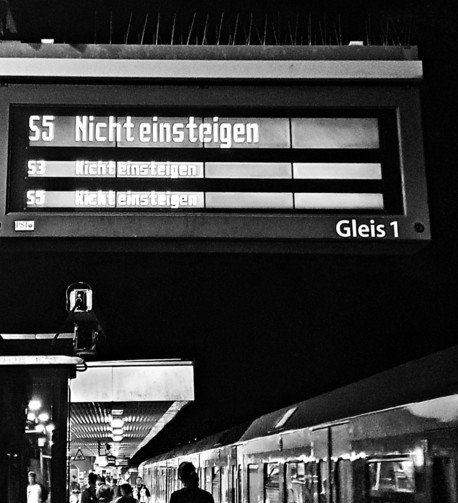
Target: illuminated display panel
x=70 y=159
x=212 y=168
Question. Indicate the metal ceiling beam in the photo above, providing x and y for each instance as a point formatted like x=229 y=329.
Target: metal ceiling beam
x=149 y=63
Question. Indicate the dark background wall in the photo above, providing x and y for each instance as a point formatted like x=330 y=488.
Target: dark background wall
x=264 y=330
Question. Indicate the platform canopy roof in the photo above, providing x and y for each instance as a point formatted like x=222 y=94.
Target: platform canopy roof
x=126 y=403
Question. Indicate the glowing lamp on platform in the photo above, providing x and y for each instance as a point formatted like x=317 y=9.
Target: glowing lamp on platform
x=117 y=423
x=34 y=405
x=44 y=416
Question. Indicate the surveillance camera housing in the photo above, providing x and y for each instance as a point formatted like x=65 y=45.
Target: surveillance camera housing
x=79 y=298
x=87 y=326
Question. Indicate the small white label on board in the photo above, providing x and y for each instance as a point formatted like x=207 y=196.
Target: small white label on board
x=24 y=225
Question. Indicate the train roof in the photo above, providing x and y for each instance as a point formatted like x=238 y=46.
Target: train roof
x=423 y=379
x=430 y=377
x=217 y=440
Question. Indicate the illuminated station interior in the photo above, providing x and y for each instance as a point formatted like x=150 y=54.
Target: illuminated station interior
x=114 y=407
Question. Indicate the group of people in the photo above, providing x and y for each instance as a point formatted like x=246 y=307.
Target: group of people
x=189 y=493
x=99 y=491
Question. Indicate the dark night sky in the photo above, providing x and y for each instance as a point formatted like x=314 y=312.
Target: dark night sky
x=265 y=330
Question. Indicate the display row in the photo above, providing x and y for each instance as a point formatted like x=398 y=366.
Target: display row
x=110 y=199
x=198 y=132
x=40 y=168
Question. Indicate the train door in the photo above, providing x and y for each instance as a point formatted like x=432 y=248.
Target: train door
x=341 y=468
x=330 y=445
x=322 y=454
x=443 y=463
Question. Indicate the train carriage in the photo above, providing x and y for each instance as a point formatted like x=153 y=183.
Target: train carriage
x=390 y=438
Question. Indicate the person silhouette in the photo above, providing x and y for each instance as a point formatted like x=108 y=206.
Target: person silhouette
x=190 y=493
x=34 y=489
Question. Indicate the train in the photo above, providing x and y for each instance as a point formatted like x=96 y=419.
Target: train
x=391 y=437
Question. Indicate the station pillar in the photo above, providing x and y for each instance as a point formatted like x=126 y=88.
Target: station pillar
x=34 y=392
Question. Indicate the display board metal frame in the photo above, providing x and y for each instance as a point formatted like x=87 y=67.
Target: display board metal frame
x=403 y=226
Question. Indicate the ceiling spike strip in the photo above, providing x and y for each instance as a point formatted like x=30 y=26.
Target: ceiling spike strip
x=235 y=28
x=265 y=30
x=144 y=28
x=95 y=26
x=111 y=26
x=309 y=29
x=204 y=36
x=290 y=33
x=158 y=22
x=220 y=28
x=128 y=28
x=274 y=32
x=190 y=30
x=249 y=29
x=173 y=28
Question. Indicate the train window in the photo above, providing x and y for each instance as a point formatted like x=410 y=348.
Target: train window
x=175 y=479
x=323 y=482
x=225 y=496
x=444 y=480
x=271 y=483
x=171 y=477
x=255 y=484
x=238 y=498
x=232 y=484
x=208 y=478
x=293 y=482
x=216 y=484
x=165 y=482
x=161 y=492
x=344 y=481
x=391 y=476
x=300 y=483
x=312 y=478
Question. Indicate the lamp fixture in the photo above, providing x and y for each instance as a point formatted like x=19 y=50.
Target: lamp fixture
x=44 y=416
x=117 y=423
x=34 y=405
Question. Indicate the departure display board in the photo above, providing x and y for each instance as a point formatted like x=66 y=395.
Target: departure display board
x=118 y=162
x=221 y=166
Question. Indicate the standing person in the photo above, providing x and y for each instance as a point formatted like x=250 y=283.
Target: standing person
x=116 y=492
x=88 y=495
x=190 y=493
x=126 y=494
x=74 y=486
x=34 y=490
x=74 y=490
x=141 y=492
x=104 y=493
